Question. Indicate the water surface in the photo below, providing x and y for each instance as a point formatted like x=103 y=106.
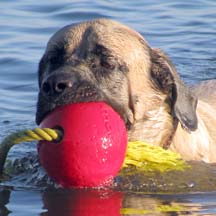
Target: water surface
x=184 y=29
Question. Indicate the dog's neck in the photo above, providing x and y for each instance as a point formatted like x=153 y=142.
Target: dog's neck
x=156 y=126
x=159 y=128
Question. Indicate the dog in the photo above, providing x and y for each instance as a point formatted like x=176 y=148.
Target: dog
x=103 y=60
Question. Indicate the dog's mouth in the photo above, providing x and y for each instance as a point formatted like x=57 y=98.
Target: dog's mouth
x=81 y=92
x=47 y=105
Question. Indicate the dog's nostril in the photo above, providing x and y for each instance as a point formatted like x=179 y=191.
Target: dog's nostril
x=54 y=86
x=60 y=87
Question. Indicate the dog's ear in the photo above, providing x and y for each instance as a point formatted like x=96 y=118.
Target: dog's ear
x=183 y=103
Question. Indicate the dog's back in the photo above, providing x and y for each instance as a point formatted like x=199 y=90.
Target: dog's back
x=206 y=91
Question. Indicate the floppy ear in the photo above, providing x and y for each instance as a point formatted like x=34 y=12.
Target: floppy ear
x=183 y=103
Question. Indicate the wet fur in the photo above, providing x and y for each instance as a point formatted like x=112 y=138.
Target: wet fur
x=110 y=62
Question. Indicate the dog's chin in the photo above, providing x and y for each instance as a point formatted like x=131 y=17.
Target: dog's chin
x=43 y=111
x=46 y=104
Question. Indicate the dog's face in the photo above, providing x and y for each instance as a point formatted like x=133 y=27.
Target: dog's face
x=103 y=60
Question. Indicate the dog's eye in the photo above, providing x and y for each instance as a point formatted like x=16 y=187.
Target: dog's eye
x=108 y=64
x=106 y=60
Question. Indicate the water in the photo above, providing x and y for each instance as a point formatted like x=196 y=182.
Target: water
x=184 y=29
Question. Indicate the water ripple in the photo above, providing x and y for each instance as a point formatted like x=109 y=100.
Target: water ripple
x=185 y=30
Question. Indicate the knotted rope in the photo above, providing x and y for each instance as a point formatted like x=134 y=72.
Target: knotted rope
x=143 y=156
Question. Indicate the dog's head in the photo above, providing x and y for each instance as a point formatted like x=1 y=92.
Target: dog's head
x=103 y=60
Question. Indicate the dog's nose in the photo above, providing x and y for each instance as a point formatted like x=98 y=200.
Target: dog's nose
x=56 y=85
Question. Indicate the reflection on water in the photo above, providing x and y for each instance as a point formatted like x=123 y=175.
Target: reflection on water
x=82 y=202
x=55 y=202
x=4 y=200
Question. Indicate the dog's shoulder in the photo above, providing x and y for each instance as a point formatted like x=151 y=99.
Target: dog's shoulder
x=206 y=91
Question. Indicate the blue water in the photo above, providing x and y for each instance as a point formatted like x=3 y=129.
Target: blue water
x=186 y=30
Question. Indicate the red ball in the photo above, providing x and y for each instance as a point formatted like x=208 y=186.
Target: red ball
x=92 y=149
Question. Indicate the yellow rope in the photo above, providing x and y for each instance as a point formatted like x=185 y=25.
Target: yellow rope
x=143 y=156
x=149 y=158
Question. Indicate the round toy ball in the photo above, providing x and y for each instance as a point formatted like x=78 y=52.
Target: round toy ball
x=92 y=149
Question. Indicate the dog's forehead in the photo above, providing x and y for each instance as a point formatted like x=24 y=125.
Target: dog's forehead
x=68 y=36
x=117 y=37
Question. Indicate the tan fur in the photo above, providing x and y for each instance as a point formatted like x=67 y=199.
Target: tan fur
x=200 y=144
x=150 y=114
